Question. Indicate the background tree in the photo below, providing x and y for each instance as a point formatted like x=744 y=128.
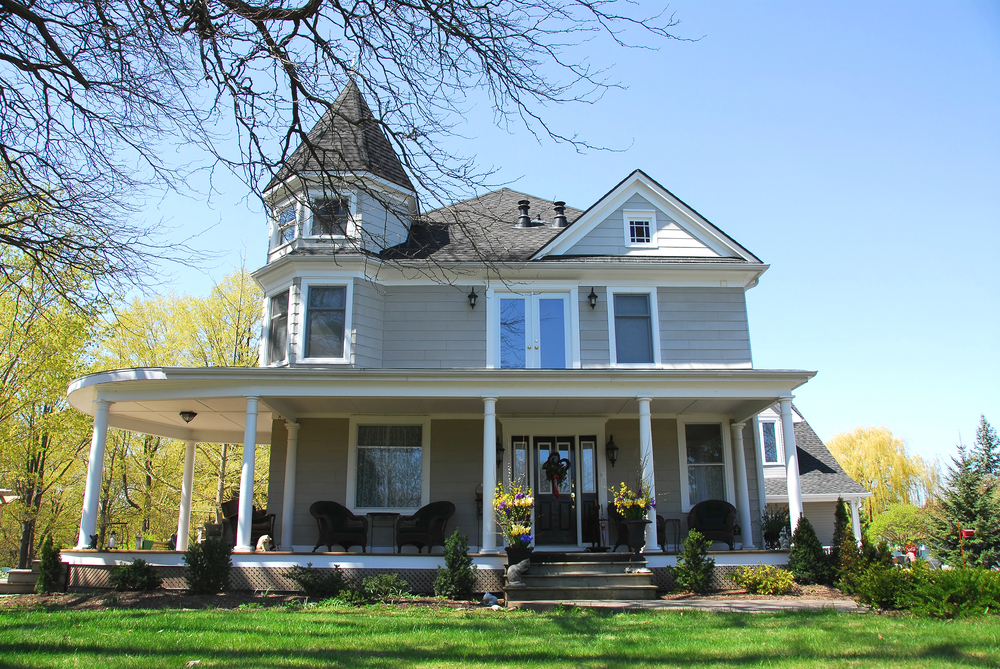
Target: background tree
x=987 y=448
x=97 y=93
x=880 y=462
x=900 y=525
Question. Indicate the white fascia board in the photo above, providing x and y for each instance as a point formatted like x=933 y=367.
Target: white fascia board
x=641 y=184
x=829 y=497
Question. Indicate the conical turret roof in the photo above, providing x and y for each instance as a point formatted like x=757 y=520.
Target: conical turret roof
x=346 y=139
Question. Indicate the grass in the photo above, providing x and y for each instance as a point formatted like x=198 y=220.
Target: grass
x=417 y=637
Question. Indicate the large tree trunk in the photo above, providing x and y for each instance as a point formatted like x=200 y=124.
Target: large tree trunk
x=30 y=491
x=24 y=552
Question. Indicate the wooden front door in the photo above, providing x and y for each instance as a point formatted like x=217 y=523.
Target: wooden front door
x=555 y=516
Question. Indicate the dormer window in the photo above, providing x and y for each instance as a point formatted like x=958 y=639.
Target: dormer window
x=286 y=225
x=640 y=228
x=330 y=216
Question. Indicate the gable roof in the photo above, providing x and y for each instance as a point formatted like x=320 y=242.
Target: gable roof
x=638 y=180
x=482 y=229
x=346 y=139
x=819 y=471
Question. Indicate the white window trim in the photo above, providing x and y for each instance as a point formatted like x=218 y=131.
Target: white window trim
x=778 y=438
x=307 y=214
x=572 y=296
x=727 y=458
x=300 y=345
x=640 y=215
x=654 y=316
x=267 y=327
x=352 y=460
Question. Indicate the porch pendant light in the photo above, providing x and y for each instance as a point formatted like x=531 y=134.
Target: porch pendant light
x=611 y=450
x=188 y=416
x=472 y=297
x=593 y=298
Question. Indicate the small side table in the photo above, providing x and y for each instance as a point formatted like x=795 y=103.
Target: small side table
x=672 y=529
x=385 y=520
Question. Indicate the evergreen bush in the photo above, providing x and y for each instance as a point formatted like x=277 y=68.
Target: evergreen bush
x=842 y=533
x=694 y=567
x=50 y=569
x=953 y=593
x=763 y=579
x=208 y=565
x=139 y=575
x=882 y=587
x=384 y=587
x=318 y=583
x=807 y=560
x=458 y=578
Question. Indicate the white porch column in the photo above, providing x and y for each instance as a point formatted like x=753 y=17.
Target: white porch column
x=742 y=489
x=246 y=479
x=95 y=472
x=288 y=497
x=187 y=483
x=646 y=459
x=791 y=464
x=489 y=473
x=856 y=518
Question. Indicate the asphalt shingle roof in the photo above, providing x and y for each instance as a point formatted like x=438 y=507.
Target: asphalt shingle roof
x=346 y=139
x=819 y=472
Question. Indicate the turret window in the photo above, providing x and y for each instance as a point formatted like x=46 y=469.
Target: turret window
x=277 y=334
x=286 y=225
x=330 y=216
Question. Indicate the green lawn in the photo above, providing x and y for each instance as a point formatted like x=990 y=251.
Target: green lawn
x=395 y=637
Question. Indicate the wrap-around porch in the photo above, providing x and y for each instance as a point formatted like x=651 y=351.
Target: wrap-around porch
x=476 y=426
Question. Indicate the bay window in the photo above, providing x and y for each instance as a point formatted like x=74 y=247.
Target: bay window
x=277 y=331
x=326 y=313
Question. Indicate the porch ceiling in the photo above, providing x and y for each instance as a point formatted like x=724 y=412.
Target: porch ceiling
x=150 y=400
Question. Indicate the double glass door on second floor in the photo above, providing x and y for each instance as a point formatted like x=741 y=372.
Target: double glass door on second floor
x=534 y=331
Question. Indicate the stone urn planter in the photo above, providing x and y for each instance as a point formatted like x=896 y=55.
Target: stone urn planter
x=517 y=554
x=636 y=533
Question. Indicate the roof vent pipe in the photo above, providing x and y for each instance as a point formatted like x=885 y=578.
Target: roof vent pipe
x=523 y=219
x=560 y=220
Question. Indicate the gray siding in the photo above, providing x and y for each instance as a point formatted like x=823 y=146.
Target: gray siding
x=433 y=327
x=703 y=326
x=367 y=325
x=380 y=228
x=456 y=470
x=608 y=237
x=594 y=342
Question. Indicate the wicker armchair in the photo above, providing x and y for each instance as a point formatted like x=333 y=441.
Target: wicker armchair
x=338 y=526
x=425 y=527
x=261 y=522
x=714 y=518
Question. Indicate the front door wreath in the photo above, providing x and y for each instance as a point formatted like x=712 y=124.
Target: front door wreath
x=556 y=469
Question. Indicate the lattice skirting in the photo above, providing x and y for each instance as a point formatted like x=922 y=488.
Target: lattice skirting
x=276 y=579
x=663 y=577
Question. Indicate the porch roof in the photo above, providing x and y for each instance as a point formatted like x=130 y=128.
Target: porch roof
x=149 y=400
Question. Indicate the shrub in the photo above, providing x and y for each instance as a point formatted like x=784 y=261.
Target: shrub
x=384 y=587
x=952 y=593
x=318 y=583
x=807 y=560
x=694 y=567
x=882 y=587
x=139 y=575
x=457 y=579
x=842 y=533
x=208 y=565
x=764 y=579
x=49 y=569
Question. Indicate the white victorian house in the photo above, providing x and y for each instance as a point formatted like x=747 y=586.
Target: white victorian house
x=411 y=357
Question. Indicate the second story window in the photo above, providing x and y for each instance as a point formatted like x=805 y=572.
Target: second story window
x=633 y=328
x=330 y=216
x=286 y=225
x=277 y=332
x=325 y=316
x=769 y=441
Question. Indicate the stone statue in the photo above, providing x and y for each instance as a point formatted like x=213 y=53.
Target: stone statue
x=516 y=571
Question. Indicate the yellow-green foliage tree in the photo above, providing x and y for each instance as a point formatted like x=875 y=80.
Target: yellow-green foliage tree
x=880 y=462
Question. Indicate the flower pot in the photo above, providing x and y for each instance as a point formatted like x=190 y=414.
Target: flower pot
x=772 y=540
x=516 y=554
x=636 y=533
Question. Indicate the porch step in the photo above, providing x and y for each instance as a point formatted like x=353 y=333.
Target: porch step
x=19 y=582
x=582 y=579
x=571 y=577
x=572 y=594
x=545 y=568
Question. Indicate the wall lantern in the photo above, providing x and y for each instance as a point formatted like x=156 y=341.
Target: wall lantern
x=593 y=298
x=500 y=452
x=188 y=416
x=473 y=297
x=611 y=450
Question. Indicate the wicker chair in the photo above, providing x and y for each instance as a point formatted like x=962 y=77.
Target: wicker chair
x=425 y=527
x=261 y=522
x=714 y=518
x=338 y=526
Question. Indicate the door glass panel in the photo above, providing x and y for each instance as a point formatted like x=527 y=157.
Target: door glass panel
x=513 y=345
x=566 y=485
x=587 y=473
x=552 y=332
x=544 y=484
x=520 y=473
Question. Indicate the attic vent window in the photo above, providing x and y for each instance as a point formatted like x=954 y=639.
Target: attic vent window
x=640 y=227
x=639 y=231
x=329 y=216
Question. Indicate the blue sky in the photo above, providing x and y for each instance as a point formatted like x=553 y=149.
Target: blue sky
x=853 y=146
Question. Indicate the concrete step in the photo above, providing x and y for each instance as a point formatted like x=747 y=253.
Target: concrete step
x=571 y=594
x=585 y=580
x=22 y=577
x=544 y=556
x=16 y=588
x=584 y=567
